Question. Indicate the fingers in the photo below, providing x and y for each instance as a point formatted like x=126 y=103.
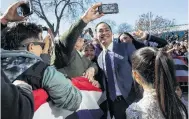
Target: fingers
x=47 y=37
x=94 y=9
x=140 y=31
x=96 y=84
x=17 y=4
x=20 y=18
x=87 y=75
x=96 y=5
x=99 y=15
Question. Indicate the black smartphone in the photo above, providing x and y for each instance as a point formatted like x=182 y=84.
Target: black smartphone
x=25 y=9
x=108 y=8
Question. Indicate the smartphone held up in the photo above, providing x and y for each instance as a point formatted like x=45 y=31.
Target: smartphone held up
x=108 y=8
x=25 y=9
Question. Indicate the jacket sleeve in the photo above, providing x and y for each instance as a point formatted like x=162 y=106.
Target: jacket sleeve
x=70 y=37
x=153 y=39
x=138 y=44
x=17 y=101
x=60 y=89
x=46 y=58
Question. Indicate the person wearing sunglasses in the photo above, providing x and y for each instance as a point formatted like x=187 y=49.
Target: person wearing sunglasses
x=20 y=60
x=34 y=47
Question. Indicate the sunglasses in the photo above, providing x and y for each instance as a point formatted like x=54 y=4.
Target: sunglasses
x=35 y=43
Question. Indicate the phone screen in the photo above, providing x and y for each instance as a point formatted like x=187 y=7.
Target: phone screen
x=25 y=9
x=109 y=8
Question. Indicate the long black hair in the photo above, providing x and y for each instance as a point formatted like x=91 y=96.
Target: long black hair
x=126 y=33
x=136 y=43
x=157 y=68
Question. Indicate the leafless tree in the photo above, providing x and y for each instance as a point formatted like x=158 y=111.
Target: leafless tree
x=153 y=24
x=124 y=27
x=48 y=10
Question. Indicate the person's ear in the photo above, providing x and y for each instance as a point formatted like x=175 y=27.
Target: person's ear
x=137 y=77
x=30 y=47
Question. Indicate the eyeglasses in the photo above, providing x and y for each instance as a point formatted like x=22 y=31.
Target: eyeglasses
x=35 y=43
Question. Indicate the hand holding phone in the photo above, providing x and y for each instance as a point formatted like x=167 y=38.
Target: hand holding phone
x=25 y=9
x=92 y=14
x=11 y=14
x=108 y=8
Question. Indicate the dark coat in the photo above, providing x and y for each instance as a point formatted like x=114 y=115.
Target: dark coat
x=68 y=60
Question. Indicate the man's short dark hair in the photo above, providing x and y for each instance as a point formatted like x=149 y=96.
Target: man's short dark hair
x=103 y=23
x=12 y=37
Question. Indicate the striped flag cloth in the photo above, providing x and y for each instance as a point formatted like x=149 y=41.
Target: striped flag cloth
x=89 y=109
x=181 y=67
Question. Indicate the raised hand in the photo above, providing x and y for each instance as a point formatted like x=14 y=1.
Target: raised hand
x=47 y=41
x=92 y=13
x=11 y=14
x=140 y=34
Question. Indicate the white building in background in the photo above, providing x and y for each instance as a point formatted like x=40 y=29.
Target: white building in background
x=182 y=27
x=175 y=28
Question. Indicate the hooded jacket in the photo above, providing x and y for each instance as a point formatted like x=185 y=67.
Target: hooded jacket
x=26 y=66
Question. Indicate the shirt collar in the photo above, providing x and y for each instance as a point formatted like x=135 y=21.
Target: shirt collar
x=110 y=47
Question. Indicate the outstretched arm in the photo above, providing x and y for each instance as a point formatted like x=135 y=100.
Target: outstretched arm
x=70 y=37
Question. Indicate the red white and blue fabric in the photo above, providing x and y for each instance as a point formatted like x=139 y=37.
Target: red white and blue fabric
x=181 y=68
x=89 y=109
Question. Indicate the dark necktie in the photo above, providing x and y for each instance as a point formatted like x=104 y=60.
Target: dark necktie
x=110 y=76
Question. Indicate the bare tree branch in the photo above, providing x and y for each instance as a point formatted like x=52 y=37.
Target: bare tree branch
x=77 y=3
x=61 y=13
x=124 y=27
x=59 y=8
x=147 y=22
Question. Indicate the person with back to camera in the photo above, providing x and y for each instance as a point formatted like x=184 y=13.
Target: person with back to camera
x=154 y=70
x=15 y=97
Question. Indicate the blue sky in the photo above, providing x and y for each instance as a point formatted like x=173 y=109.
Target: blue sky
x=171 y=9
x=131 y=9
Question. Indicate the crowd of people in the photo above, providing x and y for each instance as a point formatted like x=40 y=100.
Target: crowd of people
x=137 y=76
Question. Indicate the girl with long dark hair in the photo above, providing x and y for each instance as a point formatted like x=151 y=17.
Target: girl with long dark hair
x=145 y=40
x=154 y=70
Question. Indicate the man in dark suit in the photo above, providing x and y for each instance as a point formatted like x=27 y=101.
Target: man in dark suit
x=115 y=61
